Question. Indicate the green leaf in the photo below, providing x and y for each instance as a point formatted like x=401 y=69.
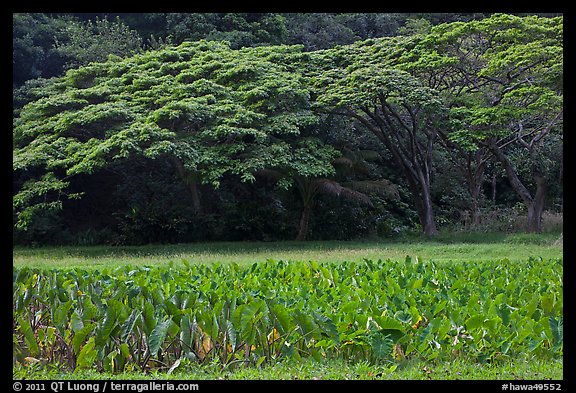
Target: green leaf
x=260 y=361
x=87 y=355
x=128 y=325
x=418 y=283
x=148 y=317
x=106 y=326
x=157 y=337
x=557 y=327
x=388 y=323
x=76 y=322
x=327 y=327
x=246 y=316
x=29 y=337
x=282 y=315
x=474 y=322
x=548 y=303
x=231 y=333
x=439 y=307
x=308 y=327
x=80 y=336
x=381 y=344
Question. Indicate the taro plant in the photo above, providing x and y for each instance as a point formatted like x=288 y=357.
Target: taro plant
x=146 y=318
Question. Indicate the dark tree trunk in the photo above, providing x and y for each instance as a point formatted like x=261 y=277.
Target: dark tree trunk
x=534 y=205
x=475 y=181
x=411 y=146
x=191 y=184
x=494 y=189
x=304 y=221
x=427 y=216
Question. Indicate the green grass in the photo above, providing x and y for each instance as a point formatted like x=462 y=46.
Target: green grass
x=335 y=369
x=445 y=247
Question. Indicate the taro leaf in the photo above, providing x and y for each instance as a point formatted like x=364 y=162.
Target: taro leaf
x=439 y=307
x=534 y=343
x=418 y=283
x=381 y=344
x=87 y=355
x=444 y=327
x=327 y=327
x=503 y=312
x=29 y=337
x=282 y=315
x=187 y=331
x=60 y=316
x=76 y=322
x=557 y=327
x=505 y=346
x=108 y=324
x=172 y=310
x=148 y=317
x=173 y=328
x=548 y=303
x=492 y=323
x=260 y=361
x=474 y=322
x=390 y=327
x=231 y=333
x=128 y=325
x=125 y=351
x=80 y=336
x=157 y=337
x=307 y=326
x=247 y=316
x=403 y=316
x=386 y=322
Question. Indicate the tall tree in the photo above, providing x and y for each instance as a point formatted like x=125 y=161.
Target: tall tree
x=503 y=80
x=210 y=110
x=358 y=81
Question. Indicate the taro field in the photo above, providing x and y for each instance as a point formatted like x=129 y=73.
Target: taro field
x=141 y=318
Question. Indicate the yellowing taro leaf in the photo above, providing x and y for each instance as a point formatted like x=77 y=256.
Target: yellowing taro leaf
x=273 y=336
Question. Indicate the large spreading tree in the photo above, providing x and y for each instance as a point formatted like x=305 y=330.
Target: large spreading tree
x=502 y=78
x=359 y=81
x=209 y=110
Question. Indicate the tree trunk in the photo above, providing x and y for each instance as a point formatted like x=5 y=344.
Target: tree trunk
x=536 y=207
x=415 y=166
x=423 y=204
x=190 y=183
x=429 y=223
x=304 y=220
x=494 y=189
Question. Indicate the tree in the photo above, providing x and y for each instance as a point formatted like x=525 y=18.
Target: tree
x=91 y=41
x=33 y=39
x=502 y=78
x=358 y=81
x=45 y=45
x=209 y=110
x=311 y=185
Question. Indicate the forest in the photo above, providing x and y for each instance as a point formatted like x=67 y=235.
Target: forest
x=131 y=129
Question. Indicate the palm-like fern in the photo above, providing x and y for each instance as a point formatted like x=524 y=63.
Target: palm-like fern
x=352 y=163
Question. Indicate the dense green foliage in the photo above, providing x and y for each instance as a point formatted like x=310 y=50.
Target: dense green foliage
x=193 y=138
x=143 y=317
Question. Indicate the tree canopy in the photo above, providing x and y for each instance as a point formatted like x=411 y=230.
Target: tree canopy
x=210 y=120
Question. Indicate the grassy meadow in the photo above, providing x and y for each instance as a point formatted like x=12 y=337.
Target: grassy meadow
x=447 y=246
